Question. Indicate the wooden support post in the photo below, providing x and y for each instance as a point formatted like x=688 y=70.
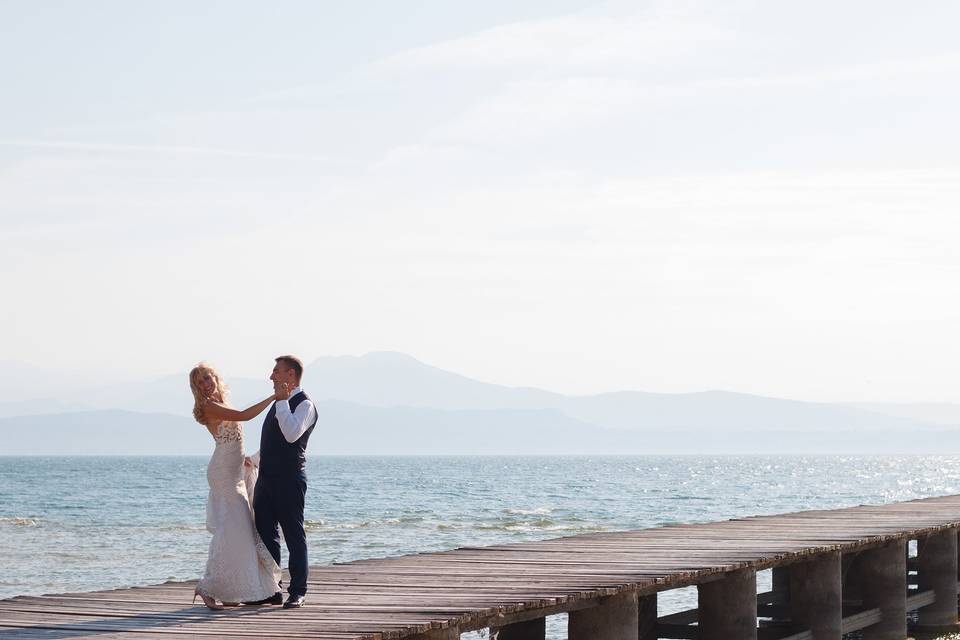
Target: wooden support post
x=647 y=617
x=780 y=585
x=615 y=618
x=529 y=630
x=728 y=607
x=937 y=559
x=883 y=582
x=781 y=581
x=816 y=601
x=851 y=577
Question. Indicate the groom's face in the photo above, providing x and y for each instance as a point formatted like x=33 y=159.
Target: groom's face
x=282 y=374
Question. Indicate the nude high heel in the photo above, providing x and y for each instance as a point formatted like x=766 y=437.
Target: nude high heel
x=207 y=600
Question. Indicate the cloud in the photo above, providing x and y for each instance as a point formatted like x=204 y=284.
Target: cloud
x=147 y=148
x=534 y=108
x=575 y=42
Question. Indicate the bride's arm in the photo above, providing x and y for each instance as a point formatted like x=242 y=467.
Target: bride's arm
x=216 y=411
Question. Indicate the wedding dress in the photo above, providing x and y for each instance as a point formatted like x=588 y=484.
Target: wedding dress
x=239 y=567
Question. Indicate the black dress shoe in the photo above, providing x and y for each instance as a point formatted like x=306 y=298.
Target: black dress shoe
x=276 y=598
x=294 y=602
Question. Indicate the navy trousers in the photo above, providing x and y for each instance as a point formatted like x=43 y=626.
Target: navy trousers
x=278 y=504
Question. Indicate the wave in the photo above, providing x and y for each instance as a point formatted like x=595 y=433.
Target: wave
x=537 y=525
x=573 y=528
x=541 y=511
x=323 y=525
x=21 y=522
x=184 y=527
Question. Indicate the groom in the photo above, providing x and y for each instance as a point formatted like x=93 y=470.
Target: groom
x=282 y=484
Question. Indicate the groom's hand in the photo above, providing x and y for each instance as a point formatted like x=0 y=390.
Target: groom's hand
x=282 y=390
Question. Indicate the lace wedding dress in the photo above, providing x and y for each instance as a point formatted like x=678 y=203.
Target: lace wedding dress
x=239 y=567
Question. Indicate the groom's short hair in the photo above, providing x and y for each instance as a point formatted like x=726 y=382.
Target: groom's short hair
x=292 y=362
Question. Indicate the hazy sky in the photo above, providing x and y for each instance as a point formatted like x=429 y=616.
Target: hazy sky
x=584 y=196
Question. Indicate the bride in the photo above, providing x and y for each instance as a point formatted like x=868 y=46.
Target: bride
x=239 y=567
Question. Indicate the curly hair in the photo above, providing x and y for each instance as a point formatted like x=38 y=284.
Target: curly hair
x=198 y=397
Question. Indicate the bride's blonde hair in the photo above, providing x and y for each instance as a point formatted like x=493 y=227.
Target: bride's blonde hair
x=198 y=398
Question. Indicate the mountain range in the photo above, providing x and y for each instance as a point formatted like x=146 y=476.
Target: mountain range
x=391 y=403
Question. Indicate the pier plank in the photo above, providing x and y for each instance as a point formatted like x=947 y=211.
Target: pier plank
x=476 y=587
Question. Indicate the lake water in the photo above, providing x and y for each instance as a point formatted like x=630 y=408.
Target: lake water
x=85 y=523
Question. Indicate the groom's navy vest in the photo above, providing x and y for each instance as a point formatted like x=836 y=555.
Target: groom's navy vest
x=277 y=456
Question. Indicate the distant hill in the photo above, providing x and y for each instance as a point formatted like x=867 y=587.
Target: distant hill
x=343 y=428
x=387 y=402
x=390 y=380
x=39 y=406
x=351 y=429
x=934 y=412
x=386 y=379
x=346 y=428
x=103 y=433
x=723 y=411
x=169 y=394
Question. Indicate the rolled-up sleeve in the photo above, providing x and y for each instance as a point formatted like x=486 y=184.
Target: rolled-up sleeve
x=293 y=425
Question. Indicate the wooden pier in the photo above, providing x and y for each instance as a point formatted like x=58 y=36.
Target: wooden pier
x=834 y=572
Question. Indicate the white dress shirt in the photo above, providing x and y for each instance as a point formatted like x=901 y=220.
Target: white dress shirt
x=292 y=424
